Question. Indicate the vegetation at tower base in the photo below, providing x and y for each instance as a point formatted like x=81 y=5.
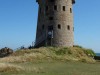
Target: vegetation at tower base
x=50 y=61
x=75 y=53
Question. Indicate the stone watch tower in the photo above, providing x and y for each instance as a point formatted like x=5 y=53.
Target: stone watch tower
x=55 y=23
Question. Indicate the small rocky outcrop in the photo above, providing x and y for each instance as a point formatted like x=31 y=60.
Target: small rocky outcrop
x=5 y=52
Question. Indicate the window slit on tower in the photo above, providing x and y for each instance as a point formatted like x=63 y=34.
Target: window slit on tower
x=43 y=26
x=55 y=7
x=59 y=26
x=50 y=28
x=40 y=10
x=46 y=9
x=68 y=27
x=70 y=10
x=64 y=8
x=50 y=18
x=51 y=0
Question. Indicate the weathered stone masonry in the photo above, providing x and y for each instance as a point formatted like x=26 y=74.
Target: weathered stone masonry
x=55 y=23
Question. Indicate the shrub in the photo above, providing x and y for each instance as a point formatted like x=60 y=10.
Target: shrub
x=5 y=52
x=90 y=52
x=78 y=46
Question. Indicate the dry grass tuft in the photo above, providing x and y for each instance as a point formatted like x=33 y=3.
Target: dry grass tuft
x=5 y=67
x=25 y=58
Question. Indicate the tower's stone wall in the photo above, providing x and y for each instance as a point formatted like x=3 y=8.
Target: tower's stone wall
x=58 y=15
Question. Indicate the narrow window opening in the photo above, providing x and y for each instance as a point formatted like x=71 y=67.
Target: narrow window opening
x=64 y=8
x=70 y=10
x=55 y=7
x=68 y=27
x=46 y=8
x=43 y=27
x=59 y=26
x=50 y=28
x=51 y=0
x=40 y=10
x=50 y=18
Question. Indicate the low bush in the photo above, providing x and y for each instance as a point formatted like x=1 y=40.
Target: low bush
x=90 y=52
x=78 y=46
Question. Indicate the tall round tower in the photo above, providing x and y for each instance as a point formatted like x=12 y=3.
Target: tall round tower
x=55 y=23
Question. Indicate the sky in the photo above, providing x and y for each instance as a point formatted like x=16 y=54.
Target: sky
x=18 y=21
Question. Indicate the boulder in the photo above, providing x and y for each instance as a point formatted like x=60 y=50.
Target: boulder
x=5 y=52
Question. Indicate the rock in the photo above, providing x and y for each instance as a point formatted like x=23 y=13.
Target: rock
x=5 y=52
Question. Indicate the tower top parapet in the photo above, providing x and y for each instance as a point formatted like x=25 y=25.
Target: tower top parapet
x=73 y=1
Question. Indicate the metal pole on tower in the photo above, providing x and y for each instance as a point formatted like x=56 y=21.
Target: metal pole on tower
x=46 y=38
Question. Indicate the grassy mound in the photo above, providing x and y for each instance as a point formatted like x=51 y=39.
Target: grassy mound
x=75 y=53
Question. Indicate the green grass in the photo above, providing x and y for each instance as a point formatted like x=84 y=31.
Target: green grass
x=50 y=61
x=56 y=68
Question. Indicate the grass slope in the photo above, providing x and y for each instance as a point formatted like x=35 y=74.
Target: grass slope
x=51 y=53
x=50 y=61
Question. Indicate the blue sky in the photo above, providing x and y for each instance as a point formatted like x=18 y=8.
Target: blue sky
x=18 y=20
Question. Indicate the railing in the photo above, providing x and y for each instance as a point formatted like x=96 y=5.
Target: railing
x=44 y=38
x=40 y=39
